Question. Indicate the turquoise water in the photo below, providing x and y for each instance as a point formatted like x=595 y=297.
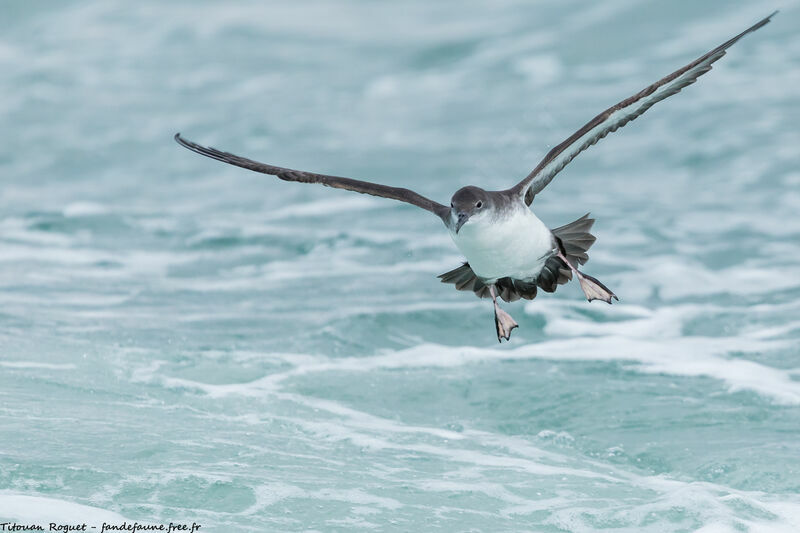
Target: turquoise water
x=185 y=341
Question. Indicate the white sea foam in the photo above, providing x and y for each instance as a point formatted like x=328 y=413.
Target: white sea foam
x=84 y=209
x=323 y=208
x=17 y=229
x=493 y=490
x=677 y=278
x=356 y=496
x=540 y=70
x=680 y=356
x=268 y=495
x=359 y=419
x=34 y=509
x=37 y=365
x=712 y=504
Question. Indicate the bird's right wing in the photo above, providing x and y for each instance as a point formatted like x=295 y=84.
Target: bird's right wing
x=287 y=174
x=618 y=115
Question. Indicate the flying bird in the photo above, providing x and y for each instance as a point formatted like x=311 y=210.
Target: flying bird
x=510 y=252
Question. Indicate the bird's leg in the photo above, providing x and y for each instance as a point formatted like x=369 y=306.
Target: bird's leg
x=502 y=320
x=592 y=288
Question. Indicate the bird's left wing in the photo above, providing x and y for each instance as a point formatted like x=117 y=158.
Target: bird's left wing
x=618 y=115
x=287 y=174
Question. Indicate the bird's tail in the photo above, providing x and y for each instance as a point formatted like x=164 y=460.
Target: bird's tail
x=508 y=289
x=575 y=240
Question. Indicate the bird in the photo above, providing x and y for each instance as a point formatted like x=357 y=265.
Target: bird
x=510 y=253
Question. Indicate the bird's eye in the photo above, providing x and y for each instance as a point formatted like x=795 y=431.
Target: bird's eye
x=451 y=204
x=479 y=205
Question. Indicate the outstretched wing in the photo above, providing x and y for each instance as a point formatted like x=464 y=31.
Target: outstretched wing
x=287 y=174
x=617 y=116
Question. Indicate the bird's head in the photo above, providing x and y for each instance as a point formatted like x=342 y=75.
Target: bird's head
x=468 y=204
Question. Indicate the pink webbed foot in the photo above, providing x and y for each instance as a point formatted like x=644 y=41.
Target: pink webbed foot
x=594 y=290
x=504 y=324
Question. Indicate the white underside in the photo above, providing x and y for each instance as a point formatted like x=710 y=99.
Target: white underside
x=515 y=247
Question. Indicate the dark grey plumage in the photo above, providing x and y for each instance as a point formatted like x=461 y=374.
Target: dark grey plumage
x=337 y=182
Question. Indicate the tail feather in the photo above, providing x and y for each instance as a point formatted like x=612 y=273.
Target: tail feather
x=576 y=240
x=509 y=290
x=581 y=225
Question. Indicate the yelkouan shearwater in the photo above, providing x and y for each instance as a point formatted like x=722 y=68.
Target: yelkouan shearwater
x=510 y=252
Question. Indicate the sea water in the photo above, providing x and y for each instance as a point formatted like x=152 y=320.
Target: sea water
x=183 y=341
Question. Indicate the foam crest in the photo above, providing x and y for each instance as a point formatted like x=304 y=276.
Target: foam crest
x=37 y=365
x=336 y=431
x=705 y=503
x=679 y=356
x=36 y=509
x=84 y=209
x=324 y=208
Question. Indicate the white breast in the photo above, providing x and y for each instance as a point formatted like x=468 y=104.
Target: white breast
x=515 y=246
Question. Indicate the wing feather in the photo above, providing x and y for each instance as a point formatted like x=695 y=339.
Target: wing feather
x=620 y=114
x=337 y=182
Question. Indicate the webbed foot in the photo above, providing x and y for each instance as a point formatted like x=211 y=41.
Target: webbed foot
x=594 y=290
x=503 y=323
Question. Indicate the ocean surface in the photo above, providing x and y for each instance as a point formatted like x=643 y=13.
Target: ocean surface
x=183 y=341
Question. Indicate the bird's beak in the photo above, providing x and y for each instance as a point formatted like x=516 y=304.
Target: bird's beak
x=462 y=219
